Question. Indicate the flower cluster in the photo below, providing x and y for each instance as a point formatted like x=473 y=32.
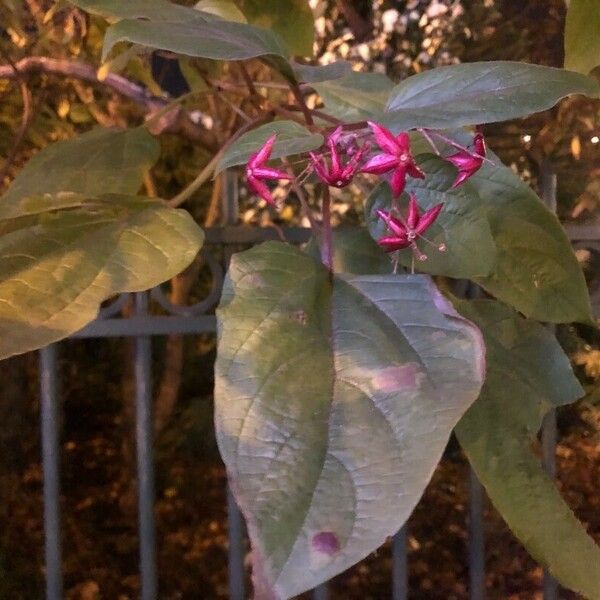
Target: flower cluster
x=338 y=165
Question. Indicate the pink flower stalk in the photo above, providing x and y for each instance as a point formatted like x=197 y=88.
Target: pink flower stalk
x=405 y=234
x=467 y=162
x=336 y=174
x=256 y=172
x=396 y=157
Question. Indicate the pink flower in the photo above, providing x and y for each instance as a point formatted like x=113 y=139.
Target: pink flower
x=468 y=162
x=336 y=174
x=256 y=172
x=396 y=157
x=405 y=234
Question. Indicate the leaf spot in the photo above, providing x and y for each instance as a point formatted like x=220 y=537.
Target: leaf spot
x=326 y=542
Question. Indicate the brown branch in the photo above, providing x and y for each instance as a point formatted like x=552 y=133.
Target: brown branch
x=26 y=118
x=123 y=86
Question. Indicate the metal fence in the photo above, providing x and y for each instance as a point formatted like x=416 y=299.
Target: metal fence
x=197 y=319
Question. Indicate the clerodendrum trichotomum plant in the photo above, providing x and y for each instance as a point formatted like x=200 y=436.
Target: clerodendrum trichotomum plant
x=342 y=367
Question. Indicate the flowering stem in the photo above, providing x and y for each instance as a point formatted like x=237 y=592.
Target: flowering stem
x=327 y=237
x=300 y=99
x=429 y=140
x=456 y=145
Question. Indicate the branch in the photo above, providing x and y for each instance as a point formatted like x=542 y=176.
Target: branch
x=129 y=89
x=25 y=118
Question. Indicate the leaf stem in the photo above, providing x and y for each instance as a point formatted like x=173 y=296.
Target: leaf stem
x=302 y=104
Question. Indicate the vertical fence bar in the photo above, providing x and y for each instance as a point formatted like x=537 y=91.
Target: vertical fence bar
x=50 y=466
x=145 y=464
x=476 y=550
x=549 y=430
x=399 y=566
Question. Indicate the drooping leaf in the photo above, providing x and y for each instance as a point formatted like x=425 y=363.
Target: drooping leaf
x=62 y=255
x=292 y=20
x=101 y=161
x=292 y=138
x=225 y=9
x=322 y=73
x=216 y=39
x=536 y=270
x=334 y=402
x=354 y=251
x=356 y=96
x=582 y=42
x=462 y=226
x=527 y=375
x=482 y=92
x=155 y=10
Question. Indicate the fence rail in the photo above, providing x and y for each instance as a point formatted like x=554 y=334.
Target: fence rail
x=142 y=326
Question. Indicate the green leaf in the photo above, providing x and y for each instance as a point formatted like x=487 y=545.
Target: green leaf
x=101 y=161
x=536 y=270
x=582 y=42
x=217 y=40
x=62 y=255
x=356 y=96
x=527 y=374
x=322 y=73
x=482 y=92
x=292 y=20
x=334 y=402
x=354 y=251
x=225 y=9
x=462 y=225
x=155 y=10
x=292 y=138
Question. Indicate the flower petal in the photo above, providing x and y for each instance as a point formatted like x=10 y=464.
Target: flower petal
x=398 y=181
x=379 y=164
x=391 y=244
x=268 y=173
x=259 y=188
x=385 y=138
x=413 y=214
x=263 y=154
x=395 y=224
x=428 y=218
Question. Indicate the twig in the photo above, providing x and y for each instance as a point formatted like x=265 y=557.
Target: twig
x=208 y=170
x=25 y=118
x=117 y=83
x=299 y=191
x=301 y=103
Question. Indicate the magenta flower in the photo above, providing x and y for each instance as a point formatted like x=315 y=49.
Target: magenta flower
x=396 y=157
x=336 y=174
x=468 y=162
x=405 y=234
x=256 y=172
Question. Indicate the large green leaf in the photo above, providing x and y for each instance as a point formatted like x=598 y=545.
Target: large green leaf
x=62 y=255
x=292 y=138
x=224 y=9
x=582 y=42
x=356 y=96
x=462 y=225
x=322 y=73
x=101 y=161
x=536 y=270
x=217 y=39
x=292 y=20
x=334 y=402
x=481 y=92
x=527 y=375
x=155 y=10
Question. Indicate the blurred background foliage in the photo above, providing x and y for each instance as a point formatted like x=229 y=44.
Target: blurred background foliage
x=398 y=38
